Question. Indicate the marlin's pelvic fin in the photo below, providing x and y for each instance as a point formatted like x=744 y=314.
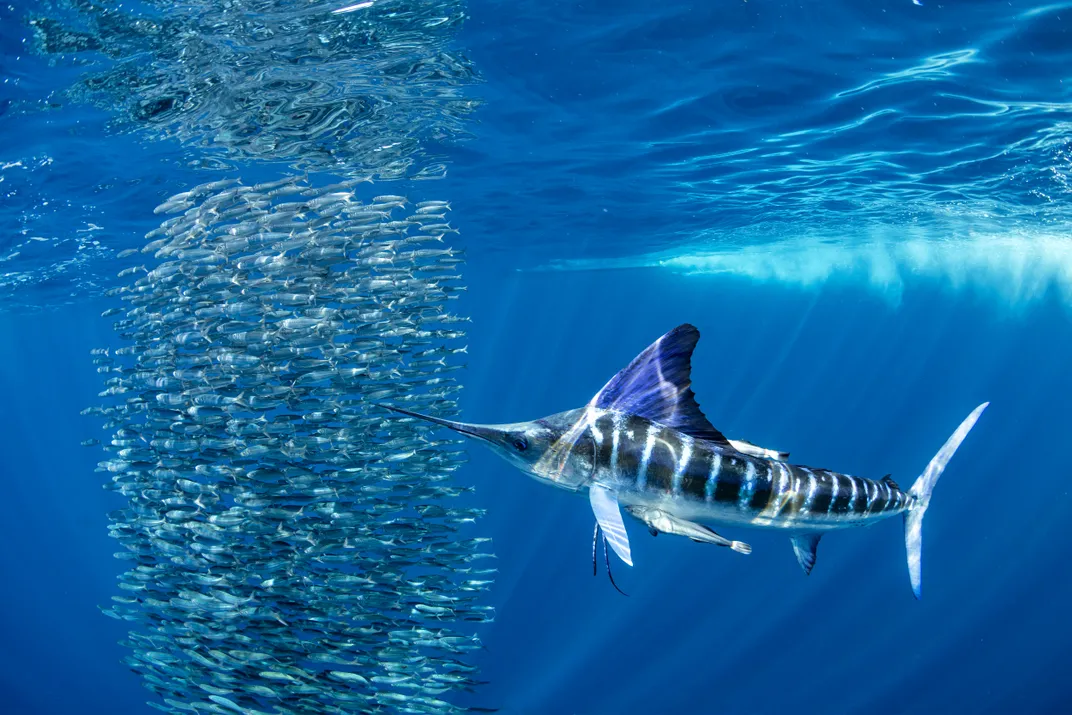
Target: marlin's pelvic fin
x=659 y=521
x=606 y=558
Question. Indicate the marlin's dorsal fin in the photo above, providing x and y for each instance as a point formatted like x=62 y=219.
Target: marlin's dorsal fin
x=754 y=450
x=888 y=479
x=656 y=386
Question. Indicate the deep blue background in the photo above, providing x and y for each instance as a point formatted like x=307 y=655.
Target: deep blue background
x=618 y=129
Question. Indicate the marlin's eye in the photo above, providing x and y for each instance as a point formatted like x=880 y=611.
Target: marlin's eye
x=521 y=444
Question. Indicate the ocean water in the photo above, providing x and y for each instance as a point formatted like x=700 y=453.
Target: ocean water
x=863 y=207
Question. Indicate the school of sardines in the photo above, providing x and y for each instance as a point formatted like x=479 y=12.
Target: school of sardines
x=291 y=548
x=293 y=81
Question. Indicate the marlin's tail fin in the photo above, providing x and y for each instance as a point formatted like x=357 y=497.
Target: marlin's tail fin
x=921 y=493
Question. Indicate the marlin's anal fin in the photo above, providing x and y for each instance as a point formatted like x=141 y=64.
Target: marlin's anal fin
x=710 y=537
x=804 y=546
x=658 y=521
x=656 y=386
x=609 y=517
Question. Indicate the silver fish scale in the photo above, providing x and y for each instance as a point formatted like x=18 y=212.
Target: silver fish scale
x=291 y=549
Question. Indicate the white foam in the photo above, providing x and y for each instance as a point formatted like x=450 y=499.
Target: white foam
x=1016 y=268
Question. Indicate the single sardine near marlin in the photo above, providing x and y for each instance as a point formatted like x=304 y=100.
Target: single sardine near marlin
x=642 y=443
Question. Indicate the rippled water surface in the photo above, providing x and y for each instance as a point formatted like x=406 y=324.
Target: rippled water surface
x=865 y=207
x=620 y=130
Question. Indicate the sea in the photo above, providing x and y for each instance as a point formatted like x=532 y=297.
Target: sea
x=863 y=207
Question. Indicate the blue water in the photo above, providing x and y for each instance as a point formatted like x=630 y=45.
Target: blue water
x=864 y=208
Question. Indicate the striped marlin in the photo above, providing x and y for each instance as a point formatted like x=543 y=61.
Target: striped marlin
x=643 y=444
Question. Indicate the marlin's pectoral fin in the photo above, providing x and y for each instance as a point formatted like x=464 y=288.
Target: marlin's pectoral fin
x=605 y=507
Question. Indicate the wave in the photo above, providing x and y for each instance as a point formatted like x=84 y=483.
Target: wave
x=1016 y=268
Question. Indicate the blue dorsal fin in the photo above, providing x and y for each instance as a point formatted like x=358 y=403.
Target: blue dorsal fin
x=656 y=386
